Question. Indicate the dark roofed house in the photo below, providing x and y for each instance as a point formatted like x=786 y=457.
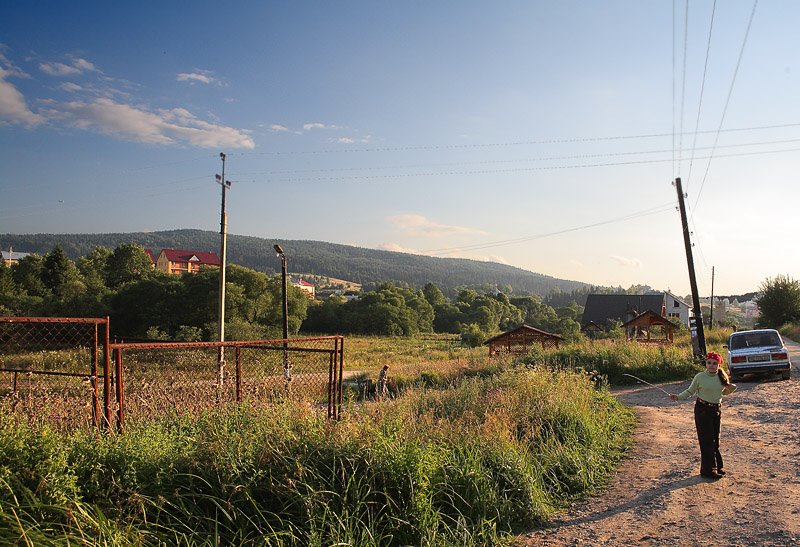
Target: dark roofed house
x=175 y=261
x=519 y=341
x=600 y=308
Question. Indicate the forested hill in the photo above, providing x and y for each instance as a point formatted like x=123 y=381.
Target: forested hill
x=365 y=266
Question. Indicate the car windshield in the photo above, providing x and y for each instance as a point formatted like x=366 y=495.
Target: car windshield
x=754 y=340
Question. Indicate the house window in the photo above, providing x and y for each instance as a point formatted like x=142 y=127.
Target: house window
x=676 y=304
x=671 y=314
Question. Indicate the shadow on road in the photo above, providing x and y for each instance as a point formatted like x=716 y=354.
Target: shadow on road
x=637 y=502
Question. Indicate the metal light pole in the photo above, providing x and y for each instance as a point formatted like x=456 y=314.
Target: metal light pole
x=223 y=232
x=286 y=373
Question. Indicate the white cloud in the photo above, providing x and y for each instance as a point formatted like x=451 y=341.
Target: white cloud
x=71 y=87
x=418 y=225
x=162 y=127
x=577 y=263
x=13 y=108
x=278 y=128
x=78 y=66
x=83 y=65
x=345 y=140
x=315 y=125
x=626 y=262
x=202 y=76
x=394 y=247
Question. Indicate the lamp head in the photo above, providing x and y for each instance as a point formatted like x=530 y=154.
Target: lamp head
x=278 y=249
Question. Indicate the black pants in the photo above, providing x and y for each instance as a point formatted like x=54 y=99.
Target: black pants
x=706 y=420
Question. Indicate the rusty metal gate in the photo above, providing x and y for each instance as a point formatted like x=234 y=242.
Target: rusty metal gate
x=52 y=367
x=156 y=378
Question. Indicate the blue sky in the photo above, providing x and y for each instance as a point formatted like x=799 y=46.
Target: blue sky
x=539 y=134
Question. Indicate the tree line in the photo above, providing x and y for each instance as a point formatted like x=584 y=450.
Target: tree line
x=403 y=311
x=368 y=267
x=146 y=303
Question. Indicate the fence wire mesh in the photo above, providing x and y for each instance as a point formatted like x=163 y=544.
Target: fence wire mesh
x=162 y=378
x=53 y=369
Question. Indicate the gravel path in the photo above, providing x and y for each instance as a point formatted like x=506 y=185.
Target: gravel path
x=657 y=496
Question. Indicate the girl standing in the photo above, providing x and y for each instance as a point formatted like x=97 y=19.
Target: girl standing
x=708 y=386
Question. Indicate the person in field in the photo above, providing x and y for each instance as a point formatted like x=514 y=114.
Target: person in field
x=708 y=387
x=383 y=379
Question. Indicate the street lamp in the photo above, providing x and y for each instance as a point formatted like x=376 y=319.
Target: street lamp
x=223 y=233
x=286 y=373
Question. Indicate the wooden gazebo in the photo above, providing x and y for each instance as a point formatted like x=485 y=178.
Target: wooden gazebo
x=520 y=340
x=640 y=328
x=591 y=330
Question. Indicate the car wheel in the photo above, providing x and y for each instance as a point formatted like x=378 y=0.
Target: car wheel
x=735 y=377
x=786 y=374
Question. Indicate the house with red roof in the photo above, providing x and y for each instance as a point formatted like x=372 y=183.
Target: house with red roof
x=308 y=288
x=177 y=262
x=152 y=257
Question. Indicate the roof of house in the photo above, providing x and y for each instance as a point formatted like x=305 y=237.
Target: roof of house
x=681 y=300
x=304 y=283
x=176 y=255
x=601 y=307
x=648 y=317
x=13 y=255
x=151 y=255
x=526 y=329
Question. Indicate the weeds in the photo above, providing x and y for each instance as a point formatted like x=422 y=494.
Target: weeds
x=464 y=465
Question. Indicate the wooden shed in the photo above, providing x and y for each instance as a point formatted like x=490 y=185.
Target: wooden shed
x=592 y=330
x=640 y=328
x=520 y=340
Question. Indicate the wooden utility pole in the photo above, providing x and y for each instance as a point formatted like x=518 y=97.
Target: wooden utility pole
x=698 y=314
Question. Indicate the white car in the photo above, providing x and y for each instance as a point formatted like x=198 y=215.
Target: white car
x=758 y=351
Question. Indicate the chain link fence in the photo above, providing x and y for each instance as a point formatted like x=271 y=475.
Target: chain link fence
x=186 y=377
x=55 y=369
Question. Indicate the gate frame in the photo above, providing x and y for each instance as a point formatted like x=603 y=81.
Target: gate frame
x=94 y=358
x=335 y=366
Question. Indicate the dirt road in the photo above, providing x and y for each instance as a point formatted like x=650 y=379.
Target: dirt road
x=657 y=496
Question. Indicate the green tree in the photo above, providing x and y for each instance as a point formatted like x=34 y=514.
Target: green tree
x=779 y=301
x=94 y=267
x=434 y=295
x=128 y=262
x=58 y=271
x=27 y=274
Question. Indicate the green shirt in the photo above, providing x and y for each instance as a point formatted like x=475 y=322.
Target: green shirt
x=708 y=387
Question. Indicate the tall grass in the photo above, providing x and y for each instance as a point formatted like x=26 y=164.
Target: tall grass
x=466 y=465
x=610 y=360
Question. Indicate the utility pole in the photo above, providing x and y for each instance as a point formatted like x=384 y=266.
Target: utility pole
x=287 y=375
x=700 y=351
x=223 y=233
x=711 y=316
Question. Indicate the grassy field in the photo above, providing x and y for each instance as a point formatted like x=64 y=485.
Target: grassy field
x=465 y=451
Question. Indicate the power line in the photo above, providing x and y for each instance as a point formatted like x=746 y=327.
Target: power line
x=683 y=84
x=411 y=148
x=728 y=100
x=495 y=162
x=500 y=243
x=702 y=92
x=516 y=169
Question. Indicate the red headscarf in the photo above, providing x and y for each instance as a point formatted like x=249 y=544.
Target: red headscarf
x=715 y=356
